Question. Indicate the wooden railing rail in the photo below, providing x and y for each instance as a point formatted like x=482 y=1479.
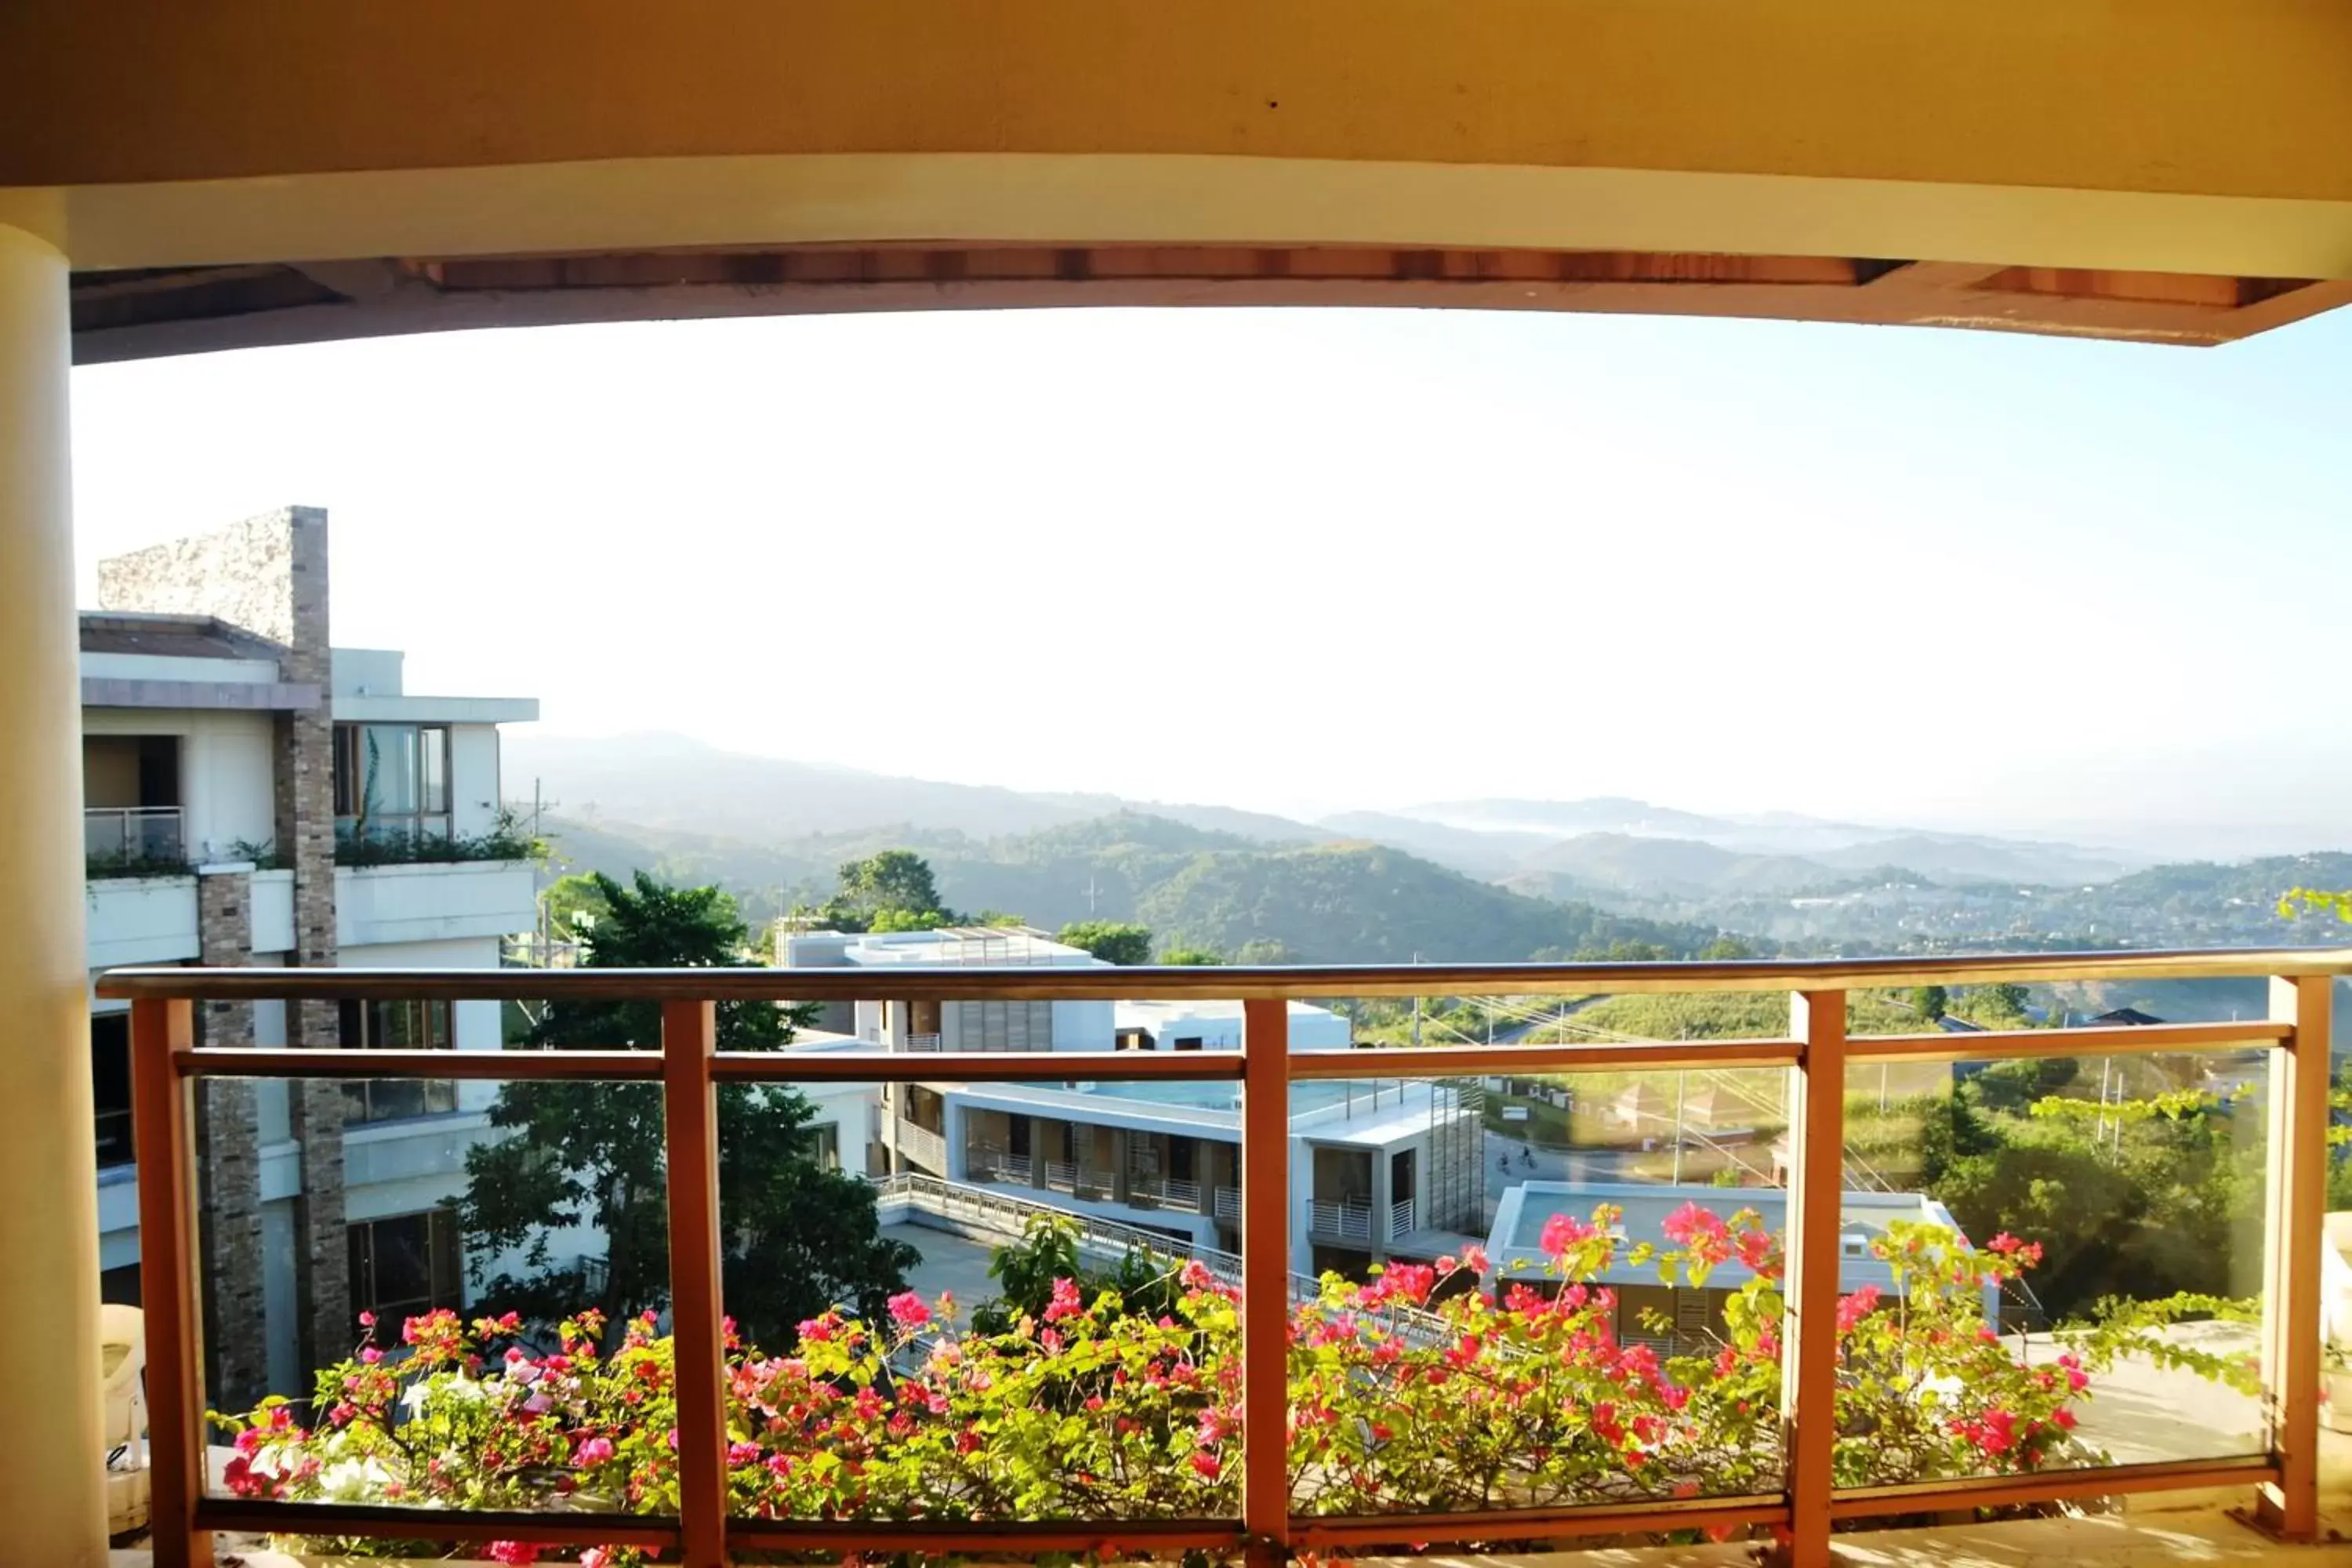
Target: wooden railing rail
x=167 y=1063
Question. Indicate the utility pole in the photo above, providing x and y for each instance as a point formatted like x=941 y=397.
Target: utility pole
x=1682 y=1083
x=1416 y=1009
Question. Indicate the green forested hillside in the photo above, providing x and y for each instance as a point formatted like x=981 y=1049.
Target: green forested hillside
x=1365 y=903
x=1334 y=903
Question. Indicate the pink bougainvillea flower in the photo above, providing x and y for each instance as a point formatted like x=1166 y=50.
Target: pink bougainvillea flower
x=907 y=1311
x=1854 y=1309
x=592 y=1451
x=514 y=1553
x=1066 y=1302
x=1206 y=1464
x=1563 y=1231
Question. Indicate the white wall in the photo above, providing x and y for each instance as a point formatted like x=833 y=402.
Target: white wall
x=225 y=771
x=473 y=1026
x=404 y=905
x=473 y=777
x=1084 y=1026
x=271 y=926
x=142 y=920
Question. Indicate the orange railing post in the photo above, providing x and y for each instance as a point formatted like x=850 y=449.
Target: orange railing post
x=1808 y=1354
x=690 y=1133
x=2292 y=1235
x=163 y=1128
x=1265 y=1280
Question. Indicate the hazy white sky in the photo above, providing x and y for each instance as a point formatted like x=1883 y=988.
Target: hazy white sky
x=1307 y=561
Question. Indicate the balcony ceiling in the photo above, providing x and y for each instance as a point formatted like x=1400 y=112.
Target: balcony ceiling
x=281 y=171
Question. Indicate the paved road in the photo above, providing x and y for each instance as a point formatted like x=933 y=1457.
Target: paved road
x=1550 y=1165
x=1518 y=1031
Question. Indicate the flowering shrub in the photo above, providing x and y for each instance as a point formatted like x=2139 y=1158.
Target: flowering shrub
x=1404 y=1397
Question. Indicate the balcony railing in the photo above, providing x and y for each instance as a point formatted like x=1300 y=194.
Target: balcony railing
x=1349 y=1219
x=923 y=1146
x=1229 y=1205
x=167 y=1066
x=986 y=1162
x=133 y=836
x=1401 y=1217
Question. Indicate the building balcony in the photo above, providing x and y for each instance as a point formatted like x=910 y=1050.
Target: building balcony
x=431 y=901
x=923 y=1146
x=123 y=839
x=1805 y=1340
x=986 y=1162
x=1344 y=1219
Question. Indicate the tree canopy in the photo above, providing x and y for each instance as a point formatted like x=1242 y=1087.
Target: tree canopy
x=892 y=891
x=1109 y=941
x=798 y=1237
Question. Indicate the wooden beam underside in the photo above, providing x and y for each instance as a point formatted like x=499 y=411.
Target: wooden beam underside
x=158 y=311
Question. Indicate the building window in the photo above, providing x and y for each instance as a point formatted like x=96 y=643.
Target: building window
x=824 y=1143
x=392 y=781
x=406 y=1266
x=109 y=1065
x=396 y=1027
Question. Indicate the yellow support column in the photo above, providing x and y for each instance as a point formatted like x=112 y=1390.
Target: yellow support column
x=53 y=1498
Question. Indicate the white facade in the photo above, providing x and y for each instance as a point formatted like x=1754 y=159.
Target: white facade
x=218 y=767
x=1364 y=1155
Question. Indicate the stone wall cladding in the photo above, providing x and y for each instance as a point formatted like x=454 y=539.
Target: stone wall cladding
x=228 y=1163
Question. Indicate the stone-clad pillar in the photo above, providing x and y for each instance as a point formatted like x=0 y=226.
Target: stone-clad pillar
x=228 y=1163
x=305 y=790
x=55 y=1488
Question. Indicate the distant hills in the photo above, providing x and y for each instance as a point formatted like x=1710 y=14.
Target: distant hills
x=1496 y=879
x=1331 y=903
x=673 y=782
x=678 y=784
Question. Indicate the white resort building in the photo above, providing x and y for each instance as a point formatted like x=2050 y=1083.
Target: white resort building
x=1379 y=1168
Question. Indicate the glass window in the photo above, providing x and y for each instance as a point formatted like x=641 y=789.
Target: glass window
x=406 y=1265
x=396 y=1026
x=826 y=1146
x=392 y=781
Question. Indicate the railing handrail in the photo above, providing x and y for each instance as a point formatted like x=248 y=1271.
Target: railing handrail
x=128 y=811
x=166 y=1064
x=1211 y=983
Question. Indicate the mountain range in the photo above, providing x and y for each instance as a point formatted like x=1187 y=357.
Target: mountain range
x=1542 y=847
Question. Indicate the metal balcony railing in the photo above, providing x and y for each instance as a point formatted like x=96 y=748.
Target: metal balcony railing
x=1349 y=1219
x=923 y=1146
x=133 y=835
x=167 y=1067
x=986 y=1162
x=1401 y=1219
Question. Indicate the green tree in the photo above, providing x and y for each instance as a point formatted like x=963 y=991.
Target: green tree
x=893 y=890
x=1263 y=952
x=798 y=1237
x=1190 y=957
x=1930 y=1002
x=574 y=904
x=2001 y=1002
x=1726 y=947
x=1109 y=941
